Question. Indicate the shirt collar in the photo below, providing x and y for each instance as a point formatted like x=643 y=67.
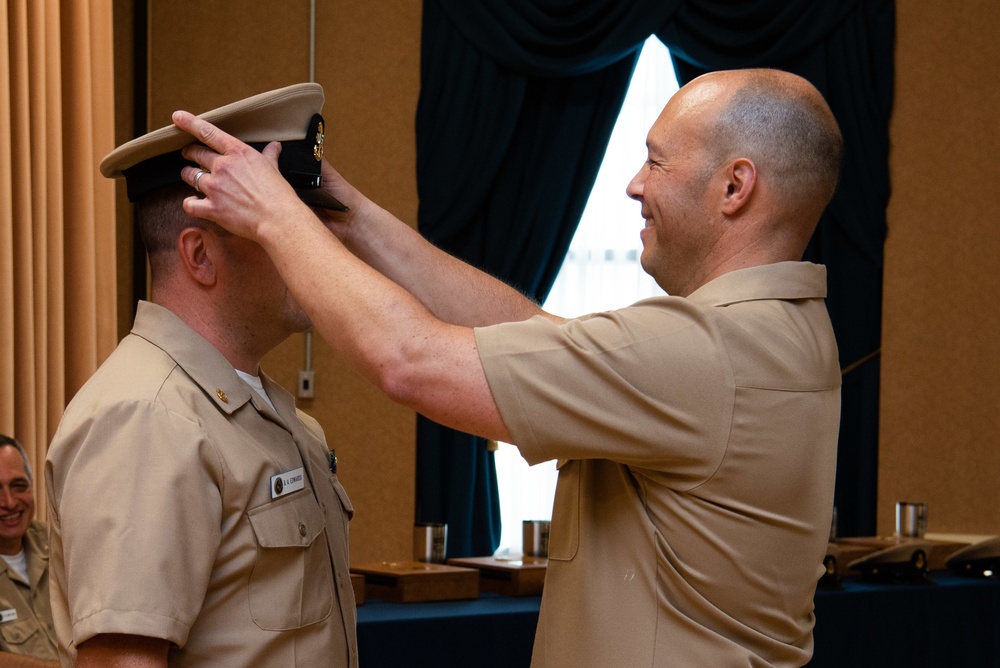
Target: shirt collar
x=782 y=280
x=200 y=359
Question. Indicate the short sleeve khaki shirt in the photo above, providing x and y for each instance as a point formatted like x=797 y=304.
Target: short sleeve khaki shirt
x=25 y=616
x=167 y=520
x=696 y=442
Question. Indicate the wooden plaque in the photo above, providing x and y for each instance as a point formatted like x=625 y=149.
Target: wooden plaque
x=411 y=581
x=521 y=576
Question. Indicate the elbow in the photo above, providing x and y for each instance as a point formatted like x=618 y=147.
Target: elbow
x=397 y=387
x=399 y=378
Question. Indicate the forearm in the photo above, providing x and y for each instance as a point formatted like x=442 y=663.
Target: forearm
x=385 y=332
x=452 y=290
x=114 y=650
x=10 y=660
x=388 y=334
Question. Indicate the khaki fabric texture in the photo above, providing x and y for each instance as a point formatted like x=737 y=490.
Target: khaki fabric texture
x=696 y=442
x=163 y=523
x=31 y=632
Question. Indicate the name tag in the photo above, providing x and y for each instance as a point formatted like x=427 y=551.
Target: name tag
x=8 y=616
x=288 y=482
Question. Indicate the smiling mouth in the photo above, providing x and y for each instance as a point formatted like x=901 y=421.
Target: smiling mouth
x=12 y=517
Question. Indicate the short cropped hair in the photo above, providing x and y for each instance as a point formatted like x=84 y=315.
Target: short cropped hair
x=787 y=131
x=161 y=219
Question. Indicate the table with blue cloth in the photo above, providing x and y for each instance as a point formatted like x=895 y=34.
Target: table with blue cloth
x=952 y=621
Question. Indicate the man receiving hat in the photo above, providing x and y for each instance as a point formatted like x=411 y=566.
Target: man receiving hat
x=196 y=515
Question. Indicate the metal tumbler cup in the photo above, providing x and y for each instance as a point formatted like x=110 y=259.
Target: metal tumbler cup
x=535 y=538
x=911 y=519
x=429 y=540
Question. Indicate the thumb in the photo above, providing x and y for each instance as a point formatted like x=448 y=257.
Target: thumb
x=272 y=151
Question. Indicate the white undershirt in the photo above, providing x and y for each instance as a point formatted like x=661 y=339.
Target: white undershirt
x=254 y=382
x=17 y=563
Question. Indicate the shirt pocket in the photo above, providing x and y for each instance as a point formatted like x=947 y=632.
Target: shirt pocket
x=18 y=635
x=564 y=534
x=291 y=584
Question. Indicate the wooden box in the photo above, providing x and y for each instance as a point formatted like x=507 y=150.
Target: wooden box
x=411 y=581
x=521 y=576
x=358 y=583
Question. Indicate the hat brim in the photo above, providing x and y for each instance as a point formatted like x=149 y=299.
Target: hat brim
x=289 y=115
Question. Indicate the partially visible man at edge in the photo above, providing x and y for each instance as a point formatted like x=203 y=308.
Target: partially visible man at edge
x=197 y=518
x=25 y=616
x=695 y=433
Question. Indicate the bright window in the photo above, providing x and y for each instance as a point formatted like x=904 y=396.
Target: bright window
x=601 y=270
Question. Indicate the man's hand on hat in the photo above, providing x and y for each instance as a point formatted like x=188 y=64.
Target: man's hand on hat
x=339 y=222
x=243 y=189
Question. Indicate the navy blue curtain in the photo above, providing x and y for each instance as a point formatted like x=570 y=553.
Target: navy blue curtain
x=517 y=101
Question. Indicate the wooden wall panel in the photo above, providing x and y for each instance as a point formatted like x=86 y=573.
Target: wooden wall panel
x=940 y=405
x=368 y=61
x=205 y=53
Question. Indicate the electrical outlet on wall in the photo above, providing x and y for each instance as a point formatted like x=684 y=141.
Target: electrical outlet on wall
x=306 y=381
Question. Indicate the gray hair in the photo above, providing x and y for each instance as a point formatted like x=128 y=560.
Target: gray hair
x=12 y=442
x=788 y=130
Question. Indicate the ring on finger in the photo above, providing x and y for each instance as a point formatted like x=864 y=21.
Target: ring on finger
x=197 y=178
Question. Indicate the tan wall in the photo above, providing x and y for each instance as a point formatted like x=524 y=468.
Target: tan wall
x=204 y=53
x=940 y=415
x=940 y=407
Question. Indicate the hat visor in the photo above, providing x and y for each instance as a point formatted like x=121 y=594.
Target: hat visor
x=320 y=198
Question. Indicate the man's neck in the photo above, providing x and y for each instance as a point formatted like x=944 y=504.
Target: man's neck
x=11 y=547
x=234 y=341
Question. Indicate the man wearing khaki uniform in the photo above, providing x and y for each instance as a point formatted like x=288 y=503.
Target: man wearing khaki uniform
x=25 y=616
x=197 y=518
x=696 y=433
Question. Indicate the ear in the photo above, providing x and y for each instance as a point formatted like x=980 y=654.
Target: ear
x=196 y=248
x=741 y=179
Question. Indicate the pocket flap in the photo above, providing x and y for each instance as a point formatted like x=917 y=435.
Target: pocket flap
x=17 y=632
x=293 y=521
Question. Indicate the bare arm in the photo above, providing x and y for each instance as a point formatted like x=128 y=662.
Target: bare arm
x=451 y=289
x=11 y=660
x=115 y=650
x=416 y=358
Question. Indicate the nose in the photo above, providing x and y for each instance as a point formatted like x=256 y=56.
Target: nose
x=7 y=499
x=635 y=186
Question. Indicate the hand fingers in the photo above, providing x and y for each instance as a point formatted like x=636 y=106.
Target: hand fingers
x=206 y=133
x=196 y=207
x=272 y=151
x=194 y=177
x=201 y=155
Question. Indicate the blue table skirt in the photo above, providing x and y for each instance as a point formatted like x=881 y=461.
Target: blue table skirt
x=953 y=622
